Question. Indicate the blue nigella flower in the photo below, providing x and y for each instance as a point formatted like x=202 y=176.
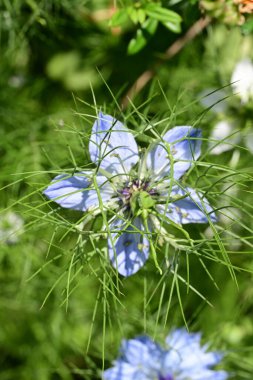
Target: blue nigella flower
x=141 y=198
x=182 y=359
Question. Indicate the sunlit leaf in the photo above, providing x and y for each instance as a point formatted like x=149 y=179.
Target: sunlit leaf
x=120 y=18
x=162 y=14
x=142 y=36
x=133 y=14
x=174 y=27
x=141 y=15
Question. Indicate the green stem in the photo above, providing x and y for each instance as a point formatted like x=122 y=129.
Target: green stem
x=152 y=248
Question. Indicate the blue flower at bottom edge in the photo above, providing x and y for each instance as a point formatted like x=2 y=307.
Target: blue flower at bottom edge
x=142 y=193
x=183 y=359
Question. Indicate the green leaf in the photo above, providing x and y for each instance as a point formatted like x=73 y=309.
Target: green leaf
x=137 y=43
x=150 y=27
x=174 y=27
x=120 y=18
x=162 y=14
x=142 y=36
x=133 y=14
x=141 y=15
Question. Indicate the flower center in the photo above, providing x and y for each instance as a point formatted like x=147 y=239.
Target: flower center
x=138 y=195
x=166 y=377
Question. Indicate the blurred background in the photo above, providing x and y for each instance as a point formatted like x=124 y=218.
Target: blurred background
x=62 y=312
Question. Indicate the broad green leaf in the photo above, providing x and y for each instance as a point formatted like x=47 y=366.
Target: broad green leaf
x=120 y=18
x=162 y=14
x=142 y=36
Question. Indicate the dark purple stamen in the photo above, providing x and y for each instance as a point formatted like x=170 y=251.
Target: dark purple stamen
x=136 y=185
x=125 y=191
x=153 y=192
x=166 y=377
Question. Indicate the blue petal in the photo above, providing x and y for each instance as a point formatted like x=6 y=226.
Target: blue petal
x=182 y=146
x=128 y=251
x=185 y=358
x=193 y=208
x=180 y=338
x=143 y=353
x=123 y=371
x=140 y=360
x=194 y=358
x=203 y=374
x=75 y=192
x=171 y=361
x=112 y=146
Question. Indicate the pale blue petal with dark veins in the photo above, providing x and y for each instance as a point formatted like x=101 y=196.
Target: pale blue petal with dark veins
x=191 y=208
x=112 y=146
x=128 y=250
x=77 y=192
x=183 y=144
